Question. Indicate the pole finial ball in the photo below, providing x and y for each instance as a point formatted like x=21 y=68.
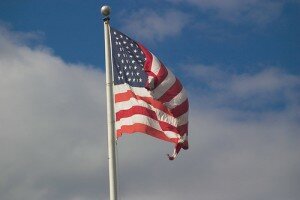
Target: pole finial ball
x=105 y=10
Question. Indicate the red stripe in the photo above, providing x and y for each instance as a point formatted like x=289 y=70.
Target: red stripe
x=184 y=145
x=175 y=112
x=171 y=92
x=120 y=97
x=147 y=64
x=183 y=129
x=161 y=75
x=149 y=57
x=135 y=110
x=142 y=128
x=180 y=109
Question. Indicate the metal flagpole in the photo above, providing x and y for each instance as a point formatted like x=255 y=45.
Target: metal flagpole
x=105 y=10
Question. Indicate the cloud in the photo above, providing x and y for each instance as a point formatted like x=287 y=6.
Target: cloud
x=270 y=88
x=53 y=135
x=52 y=142
x=155 y=26
x=228 y=159
x=235 y=11
x=235 y=153
x=25 y=38
x=266 y=81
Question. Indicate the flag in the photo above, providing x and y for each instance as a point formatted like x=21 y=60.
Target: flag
x=148 y=97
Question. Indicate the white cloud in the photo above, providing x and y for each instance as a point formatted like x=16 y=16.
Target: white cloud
x=236 y=11
x=252 y=91
x=234 y=154
x=51 y=124
x=228 y=159
x=269 y=80
x=155 y=26
x=53 y=136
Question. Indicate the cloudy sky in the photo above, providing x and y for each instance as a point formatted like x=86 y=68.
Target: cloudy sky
x=238 y=60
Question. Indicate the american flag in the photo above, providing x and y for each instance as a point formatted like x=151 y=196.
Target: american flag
x=148 y=97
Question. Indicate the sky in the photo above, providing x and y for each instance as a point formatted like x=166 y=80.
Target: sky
x=238 y=60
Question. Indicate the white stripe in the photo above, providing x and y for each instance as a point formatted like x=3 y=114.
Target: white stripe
x=155 y=65
x=150 y=82
x=171 y=134
x=140 y=91
x=144 y=120
x=183 y=119
x=162 y=116
x=177 y=100
x=164 y=86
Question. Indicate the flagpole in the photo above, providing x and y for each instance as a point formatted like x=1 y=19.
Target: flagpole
x=105 y=10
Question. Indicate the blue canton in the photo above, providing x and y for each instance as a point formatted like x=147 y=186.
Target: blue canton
x=128 y=60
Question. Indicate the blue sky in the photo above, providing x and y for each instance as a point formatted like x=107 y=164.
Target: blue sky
x=209 y=34
x=238 y=60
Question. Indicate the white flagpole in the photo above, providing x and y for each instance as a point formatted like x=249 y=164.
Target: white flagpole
x=105 y=10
